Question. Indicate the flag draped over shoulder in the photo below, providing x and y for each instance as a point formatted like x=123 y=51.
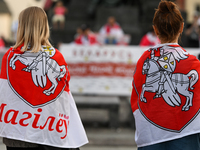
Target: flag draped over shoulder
x=165 y=99
x=36 y=104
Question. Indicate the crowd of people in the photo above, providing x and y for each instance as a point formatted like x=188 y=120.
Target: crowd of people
x=111 y=33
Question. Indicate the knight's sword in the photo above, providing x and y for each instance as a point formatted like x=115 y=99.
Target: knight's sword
x=44 y=63
x=169 y=82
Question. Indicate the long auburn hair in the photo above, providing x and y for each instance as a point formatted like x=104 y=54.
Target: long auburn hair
x=33 y=29
x=168 y=20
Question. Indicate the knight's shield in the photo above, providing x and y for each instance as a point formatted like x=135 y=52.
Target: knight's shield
x=167 y=62
x=35 y=88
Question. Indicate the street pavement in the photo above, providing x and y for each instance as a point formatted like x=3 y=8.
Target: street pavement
x=110 y=139
x=105 y=139
x=2 y=146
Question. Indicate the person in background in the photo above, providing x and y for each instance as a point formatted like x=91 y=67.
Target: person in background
x=198 y=22
x=47 y=5
x=2 y=43
x=111 y=33
x=85 y=36
x=166 y=86
x=192 y=32
x=150 y=39
x=59 y=15
x=47 y=8
x=38 y=111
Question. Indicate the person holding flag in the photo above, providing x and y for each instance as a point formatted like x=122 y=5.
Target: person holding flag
x=37 y=110
x=165 y=98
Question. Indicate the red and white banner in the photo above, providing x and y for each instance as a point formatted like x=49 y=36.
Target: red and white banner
x=102 y=69
x=36 y=104
x=165 y=96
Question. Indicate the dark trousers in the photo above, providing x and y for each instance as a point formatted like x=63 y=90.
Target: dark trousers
x=41 y=147
x=191 y=142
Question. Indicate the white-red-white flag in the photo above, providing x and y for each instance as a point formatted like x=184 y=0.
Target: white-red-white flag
x=36 y=104
x=165 y=99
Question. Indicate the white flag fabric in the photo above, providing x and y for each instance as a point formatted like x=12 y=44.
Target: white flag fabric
x=36 y=104
x=174 y=111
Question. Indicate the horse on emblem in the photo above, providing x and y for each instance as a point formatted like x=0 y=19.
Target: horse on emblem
x=40 y=65
x=181 y=83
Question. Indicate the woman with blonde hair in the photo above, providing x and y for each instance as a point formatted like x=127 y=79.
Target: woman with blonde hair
x=37 y=110
x=165 y=97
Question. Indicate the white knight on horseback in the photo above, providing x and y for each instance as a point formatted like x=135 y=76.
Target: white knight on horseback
x=41 y=66
x=160 y=77
x=167 y=61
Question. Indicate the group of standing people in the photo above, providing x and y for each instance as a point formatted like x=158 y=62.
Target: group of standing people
x=37 y=109
x=110 y=33
x=192 y=31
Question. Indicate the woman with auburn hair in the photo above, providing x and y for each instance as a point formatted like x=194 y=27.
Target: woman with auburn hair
x=165 y=98
x=37 y=110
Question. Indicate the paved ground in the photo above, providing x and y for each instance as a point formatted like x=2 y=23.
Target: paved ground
x=2 y=146
x=110 y=139
x=106 y=139
x=108 y=148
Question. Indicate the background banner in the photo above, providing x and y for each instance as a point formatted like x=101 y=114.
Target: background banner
x=106 y=70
